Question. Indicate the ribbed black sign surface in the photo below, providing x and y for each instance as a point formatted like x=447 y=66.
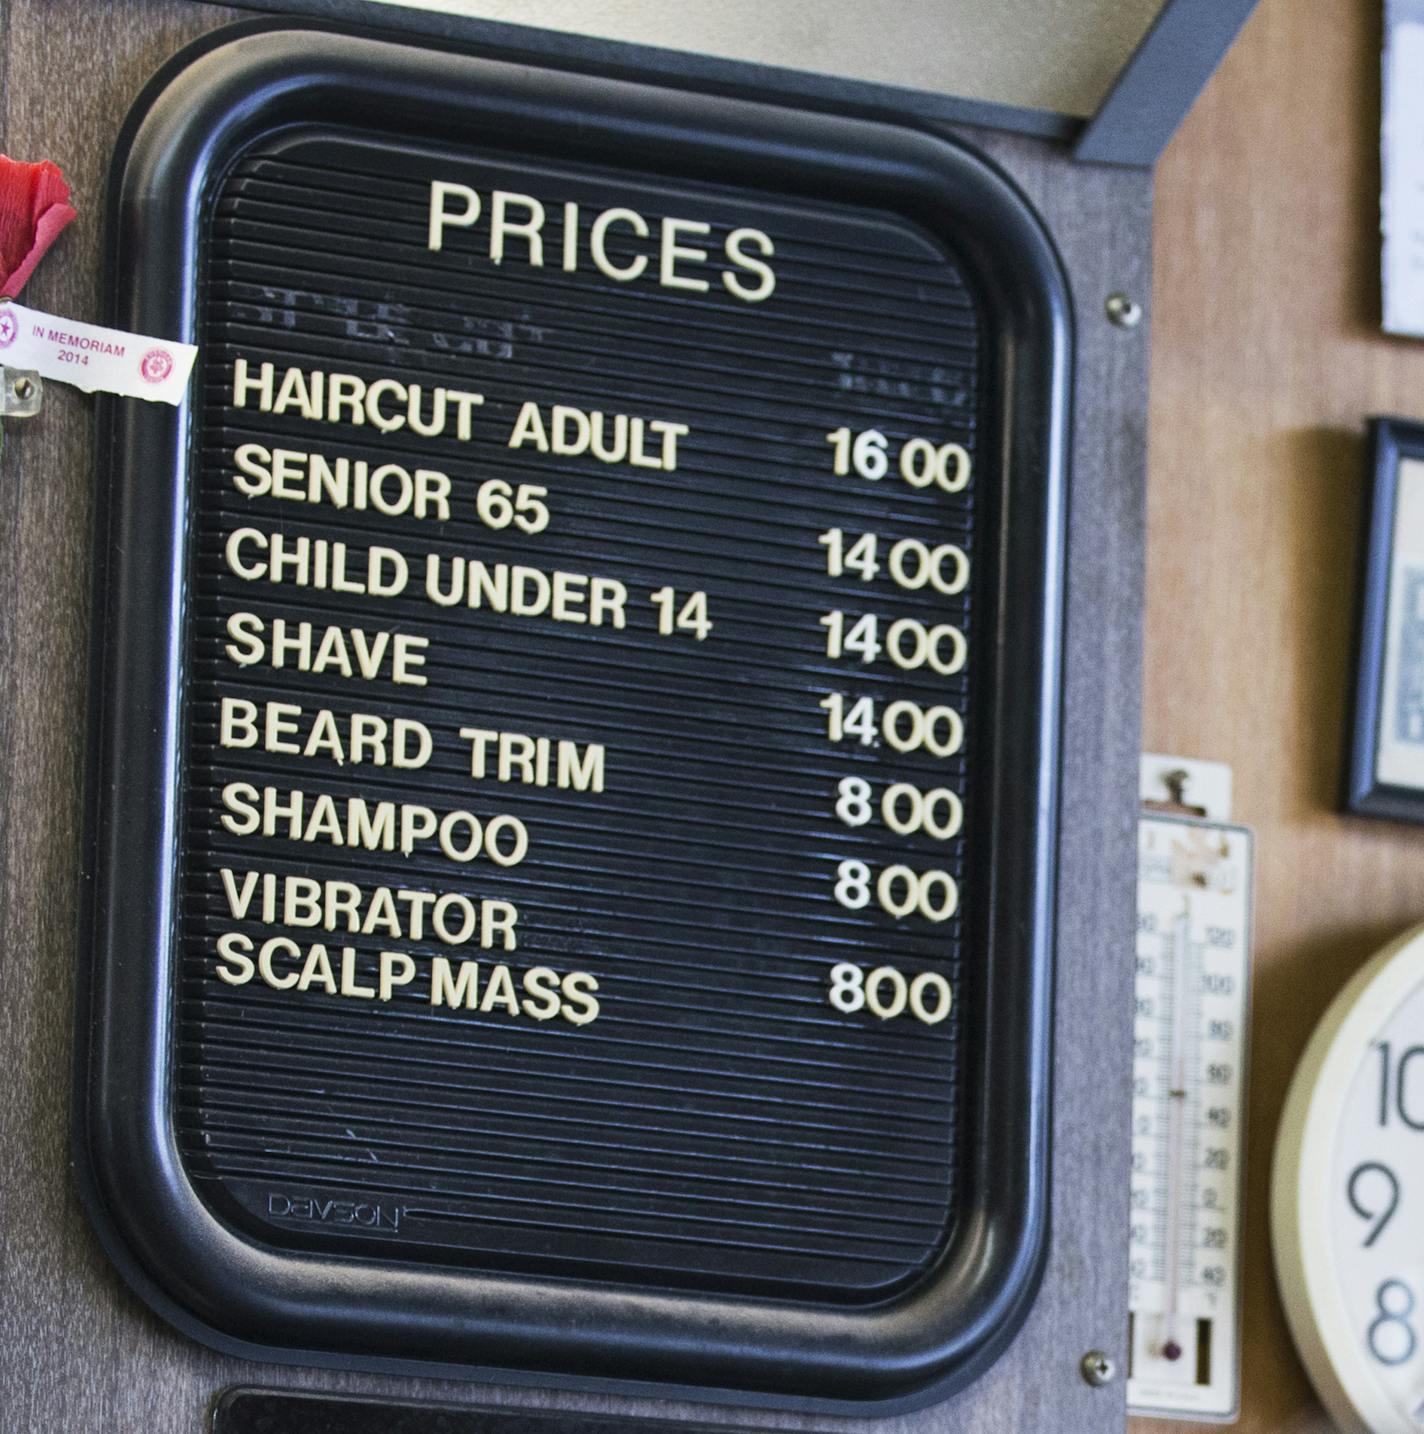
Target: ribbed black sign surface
x=609 y=649
x=718 y=1118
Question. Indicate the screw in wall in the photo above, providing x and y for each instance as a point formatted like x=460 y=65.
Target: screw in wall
x=1126 y=313
x=1098 y=1368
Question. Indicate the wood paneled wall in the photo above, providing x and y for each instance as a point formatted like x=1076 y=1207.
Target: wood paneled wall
x=1266 y=362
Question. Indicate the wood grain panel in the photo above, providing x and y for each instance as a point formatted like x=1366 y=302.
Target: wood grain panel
x=1266 y=361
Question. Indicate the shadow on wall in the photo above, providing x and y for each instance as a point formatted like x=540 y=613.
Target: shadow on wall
x=1324 y=501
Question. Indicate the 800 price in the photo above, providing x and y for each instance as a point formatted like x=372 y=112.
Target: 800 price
x=898 y=890
x=905 y=809
x=886 y=993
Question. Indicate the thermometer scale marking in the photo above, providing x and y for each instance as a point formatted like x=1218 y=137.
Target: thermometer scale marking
x=1189 y=1049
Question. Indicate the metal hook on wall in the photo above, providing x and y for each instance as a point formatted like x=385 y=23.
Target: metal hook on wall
x=21 y=395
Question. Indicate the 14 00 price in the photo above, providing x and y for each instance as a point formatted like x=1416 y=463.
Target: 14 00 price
x=904 y=725
x=918 y=461
x=912 y=564
x=909 y=643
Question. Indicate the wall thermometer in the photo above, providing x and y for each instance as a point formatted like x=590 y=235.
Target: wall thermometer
x=1189 y=1044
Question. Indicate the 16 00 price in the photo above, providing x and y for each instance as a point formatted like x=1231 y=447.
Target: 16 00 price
x=904 y=725
x=919 y=461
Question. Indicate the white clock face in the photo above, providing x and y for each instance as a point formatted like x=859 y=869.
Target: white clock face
x=1347 y=1212
x=1377 y=1207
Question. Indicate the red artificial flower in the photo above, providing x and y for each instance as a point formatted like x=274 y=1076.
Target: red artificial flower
x=34 y=207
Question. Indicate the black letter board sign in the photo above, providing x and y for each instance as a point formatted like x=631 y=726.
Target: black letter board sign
x=575 y=731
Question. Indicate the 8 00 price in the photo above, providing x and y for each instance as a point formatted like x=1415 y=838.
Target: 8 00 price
x=886 y=993
x=898 y=890
x=905 y=809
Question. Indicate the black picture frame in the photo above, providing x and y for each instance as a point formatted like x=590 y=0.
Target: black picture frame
x=1374 y=786
x=248 y=1299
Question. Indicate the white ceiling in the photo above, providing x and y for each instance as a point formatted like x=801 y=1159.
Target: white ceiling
x=1043 y=54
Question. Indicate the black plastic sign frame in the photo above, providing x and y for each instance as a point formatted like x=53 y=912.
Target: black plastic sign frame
x=173 y=1120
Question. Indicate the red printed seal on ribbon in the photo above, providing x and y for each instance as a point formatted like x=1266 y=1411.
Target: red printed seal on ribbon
x=34 y=207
